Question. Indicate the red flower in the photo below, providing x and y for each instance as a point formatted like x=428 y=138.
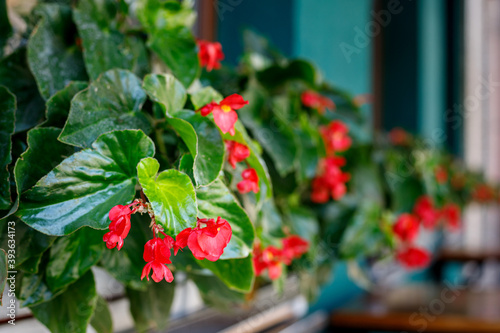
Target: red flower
x=224 y=115
x=157 y=255
x=483 y=193
x=271 y=259
x=406 y=227
x=451 y=215
x=316 y=101
x=441 y=174
x=119 y=226
x=237 y=152
x=399 y=137
x=414 y=258
x=294 y=247
x=335 y=137
x=250 y=181
x=210 y=54
x=330 y=180
x=424 y=209
x=208 y=242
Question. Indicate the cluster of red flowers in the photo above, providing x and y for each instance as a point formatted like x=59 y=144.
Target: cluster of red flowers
x=441 y=174
x=399 y=137
x=483 y=193
x=206 y=242
x=430 y=215
x=313 y=100
x=331 y=180
x=272 y=258
x=210 y=54
x=238 y=152
x=224 y=112
x=407 y=228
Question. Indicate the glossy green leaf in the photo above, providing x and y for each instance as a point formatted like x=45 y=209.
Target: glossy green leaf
x=104 y=46
x=58 y=105
x=32 y=289
x=3 y=273
x=84 y=187
x=53 y=57
x=254 y=160
x=101 y=320
x=34 y=243
x=237 y=274
x=166 y=90
x=170 y=36
x=204 y=96
x=186 y=164
x=16 y=76
x=203 y=139
x=112 y=102
x=150 y=309
x=44 y=153
x=216 y=200
x=7 y=120
x=171 y=195
x=126 y=265
x=70 y=311
x=72 y=256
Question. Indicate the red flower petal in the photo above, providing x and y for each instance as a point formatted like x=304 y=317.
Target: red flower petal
x=234 y=101
x=225 y=120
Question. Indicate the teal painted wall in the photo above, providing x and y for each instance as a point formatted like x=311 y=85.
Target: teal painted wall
x=328 y=33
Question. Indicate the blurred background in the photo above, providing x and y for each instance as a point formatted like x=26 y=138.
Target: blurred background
x=431 y=67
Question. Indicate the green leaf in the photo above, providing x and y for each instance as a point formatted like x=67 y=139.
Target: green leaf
x=216 y=200
x=70 y=311
x=171 y=195
x=59 y=104
x=237 y=274
x=150 y=309
x=166 y=90
x=101 y=320
x=72 y=256
x=53 y=57
x=203 y=139
x=33 y=290
x=7 y=120
x=84 y=187
x=104 y=46
x=112 y=102
x=16 y=76
x=215 y=293
x=126 y=265
x=277 y=75
x=254 y=160
x=365 y=235
x=304 y=223
x=186 y=164
x=270 y=220
x=3 y=273
x=34 y=243
x=43 y=154
x=204 y=96
x=170 y=36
